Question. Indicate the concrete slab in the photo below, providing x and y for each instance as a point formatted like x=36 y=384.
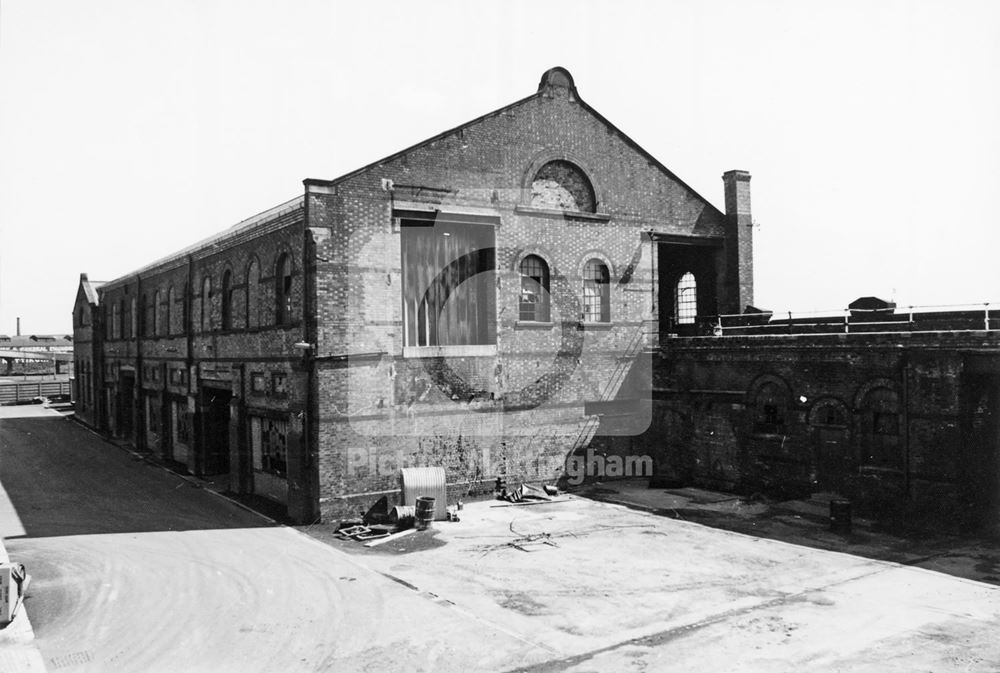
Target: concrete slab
x=604 y=587
x=26 y=411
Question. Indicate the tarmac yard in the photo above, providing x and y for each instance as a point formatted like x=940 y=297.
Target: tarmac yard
x=135 y=570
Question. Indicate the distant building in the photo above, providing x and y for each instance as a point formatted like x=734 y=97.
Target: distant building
x=35 y=353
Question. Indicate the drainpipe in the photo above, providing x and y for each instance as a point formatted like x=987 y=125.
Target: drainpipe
x=310 y=435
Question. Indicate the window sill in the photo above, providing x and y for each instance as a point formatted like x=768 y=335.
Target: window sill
x=596 y=326
x=533 y=325
x=563 y=214
x=482 y=350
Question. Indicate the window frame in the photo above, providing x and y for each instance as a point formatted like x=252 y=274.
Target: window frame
x=253 y=319
x=205 y=319
x=227 y=300
x=596 y=285
x=283 y=273
x=540 y=309
x=686 y=310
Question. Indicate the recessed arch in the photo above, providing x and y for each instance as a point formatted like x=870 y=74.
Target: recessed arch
x=868 y=386
x=549 y=156
x=253 y=318
x=829 y=411
x=227 y=299
x=770 y=399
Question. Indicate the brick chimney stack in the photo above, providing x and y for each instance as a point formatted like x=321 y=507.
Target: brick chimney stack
x=18 y=326
x=739 y=246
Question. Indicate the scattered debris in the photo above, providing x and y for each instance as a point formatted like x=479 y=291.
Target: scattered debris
x=532 y=502
x=539 y=538
x=391 y=537
x=526 y=492
x=402 y=515
x=378 y=513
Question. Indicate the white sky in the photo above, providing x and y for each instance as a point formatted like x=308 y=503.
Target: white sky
x=131 y=129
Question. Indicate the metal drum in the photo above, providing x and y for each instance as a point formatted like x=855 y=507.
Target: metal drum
x=840 y=516
x=424 y=512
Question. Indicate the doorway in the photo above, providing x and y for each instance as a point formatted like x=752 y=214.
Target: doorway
x=834 y=458
x=125 y=418
x=213 y=444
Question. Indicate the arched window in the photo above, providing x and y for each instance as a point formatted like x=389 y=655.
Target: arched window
x=830 y=414
x=227 y=300
x=168 y=322
x=253 y=294
x=770 y=409
x=596 y=292
x=534 y=304
x=133 y=319
x=157 y=323
x=283 y=291
x=145 y=319
x=561 y=185
x=206 y=304
x=187 y=317
x=686 y=299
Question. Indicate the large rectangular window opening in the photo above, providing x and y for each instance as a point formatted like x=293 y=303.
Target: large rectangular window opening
x=449 y=280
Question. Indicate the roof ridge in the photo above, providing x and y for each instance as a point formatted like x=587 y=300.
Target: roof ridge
x=260 y=218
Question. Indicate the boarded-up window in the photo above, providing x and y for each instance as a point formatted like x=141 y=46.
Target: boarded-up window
x=449 y=283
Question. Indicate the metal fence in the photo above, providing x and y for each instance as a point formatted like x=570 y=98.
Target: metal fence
x=896 y=319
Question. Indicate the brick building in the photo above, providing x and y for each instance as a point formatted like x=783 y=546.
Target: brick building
x=906 y=424
x=528 y=287
x=473 y=301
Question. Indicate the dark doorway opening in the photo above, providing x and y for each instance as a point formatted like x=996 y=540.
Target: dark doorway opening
x=213 y=444
x=125 y=405
x=834 y=458
x=981 y=434
x=687 y=297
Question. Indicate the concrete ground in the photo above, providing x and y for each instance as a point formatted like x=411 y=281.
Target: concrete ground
x=138 y=569
x=601 y=587
x=807 y=522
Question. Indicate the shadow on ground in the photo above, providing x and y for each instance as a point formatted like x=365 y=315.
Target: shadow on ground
x=807 y=522
x=62 y=479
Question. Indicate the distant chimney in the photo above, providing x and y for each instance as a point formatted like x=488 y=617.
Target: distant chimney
x=739 y=248
x=18 y=326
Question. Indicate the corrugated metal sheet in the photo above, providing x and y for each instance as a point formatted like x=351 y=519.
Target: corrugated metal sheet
x=425 y=481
